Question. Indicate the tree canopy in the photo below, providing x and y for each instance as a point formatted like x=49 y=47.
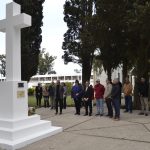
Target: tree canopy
x=78 y=42
x=31 y=37
x=46 y=63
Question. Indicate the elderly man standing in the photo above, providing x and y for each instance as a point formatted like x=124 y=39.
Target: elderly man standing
x=115 y=98
x=143 y=93
x=58 y=96
x=127 y=90
x=99 y=95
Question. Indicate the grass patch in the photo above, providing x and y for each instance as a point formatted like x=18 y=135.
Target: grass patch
x=32 y=101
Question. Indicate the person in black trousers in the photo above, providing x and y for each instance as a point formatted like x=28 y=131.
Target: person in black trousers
x=64 y=95
x=88 y=95
x=76 y=94
x=58 y=97
x=115 y=94
x=108 y=99
x=38 y=93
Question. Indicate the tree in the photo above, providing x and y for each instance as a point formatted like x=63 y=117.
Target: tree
x=78 y=42
x=111 y=32
x=140 y=27
x=3 y=65
x=31 y=37
x=45 y=63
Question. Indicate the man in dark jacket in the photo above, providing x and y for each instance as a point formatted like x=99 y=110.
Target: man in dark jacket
x=116 y=98
x=38 y=93
x=88 y=94
x=58 y=95
x=76 y=95
x=143 y=93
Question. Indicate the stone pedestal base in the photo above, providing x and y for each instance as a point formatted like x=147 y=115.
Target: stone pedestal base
x=17 y=129
x=18 y=133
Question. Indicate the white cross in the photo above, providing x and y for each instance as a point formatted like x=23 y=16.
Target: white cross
x=12 y=26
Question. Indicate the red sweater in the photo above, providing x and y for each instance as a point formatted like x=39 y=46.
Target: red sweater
x=99 y=91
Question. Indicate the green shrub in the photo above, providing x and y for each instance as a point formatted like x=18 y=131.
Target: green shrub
x=30 y=91
x=69 y=87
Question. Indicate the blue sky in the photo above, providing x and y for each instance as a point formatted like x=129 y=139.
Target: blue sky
x=52 y=32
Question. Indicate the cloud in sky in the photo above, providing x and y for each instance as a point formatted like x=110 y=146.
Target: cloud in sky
x=52 y=31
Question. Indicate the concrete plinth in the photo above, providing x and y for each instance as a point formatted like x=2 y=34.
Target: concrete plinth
x=18 y=133
x=17 y=129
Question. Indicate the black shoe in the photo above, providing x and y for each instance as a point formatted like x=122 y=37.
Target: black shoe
x=141 y=113
x=60 y=113
x=146 y=114
x=85 y=114
x=90 y=114
x=107 y=115
x=125 y=111
x=130 y=112
x=101 y=115
x=56 y=113
x=97 y=114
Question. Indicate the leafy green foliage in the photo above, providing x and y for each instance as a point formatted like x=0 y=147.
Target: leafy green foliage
x=31 y=37
x=78 y=42
x=30 y=91
x=45 y=63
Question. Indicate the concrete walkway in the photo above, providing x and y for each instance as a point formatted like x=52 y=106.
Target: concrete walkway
x=132 y=132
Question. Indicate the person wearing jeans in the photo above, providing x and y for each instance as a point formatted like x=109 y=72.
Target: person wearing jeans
x=99 y=93
x=127 y=89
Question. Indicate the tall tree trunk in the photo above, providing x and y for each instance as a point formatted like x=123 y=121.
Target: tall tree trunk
x=109 y=73
x=125 y=69
x=86 y=70
x=136 y=102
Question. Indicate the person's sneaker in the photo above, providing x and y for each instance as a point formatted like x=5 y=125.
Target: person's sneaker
x=146 y=114
x=141 y=113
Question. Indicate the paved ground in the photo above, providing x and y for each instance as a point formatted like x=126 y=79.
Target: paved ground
x=132 y=132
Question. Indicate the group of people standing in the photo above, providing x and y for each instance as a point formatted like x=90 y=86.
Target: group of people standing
x=57 y=94
x=83 y=95
x=111 y=94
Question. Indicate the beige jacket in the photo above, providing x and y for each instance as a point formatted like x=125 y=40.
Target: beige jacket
x=108 y=90
x=127 y=89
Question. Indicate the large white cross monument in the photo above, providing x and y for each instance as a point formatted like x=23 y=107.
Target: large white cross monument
x=17 y=129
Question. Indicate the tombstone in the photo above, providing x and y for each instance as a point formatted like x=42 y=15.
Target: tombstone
x=17 y=129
